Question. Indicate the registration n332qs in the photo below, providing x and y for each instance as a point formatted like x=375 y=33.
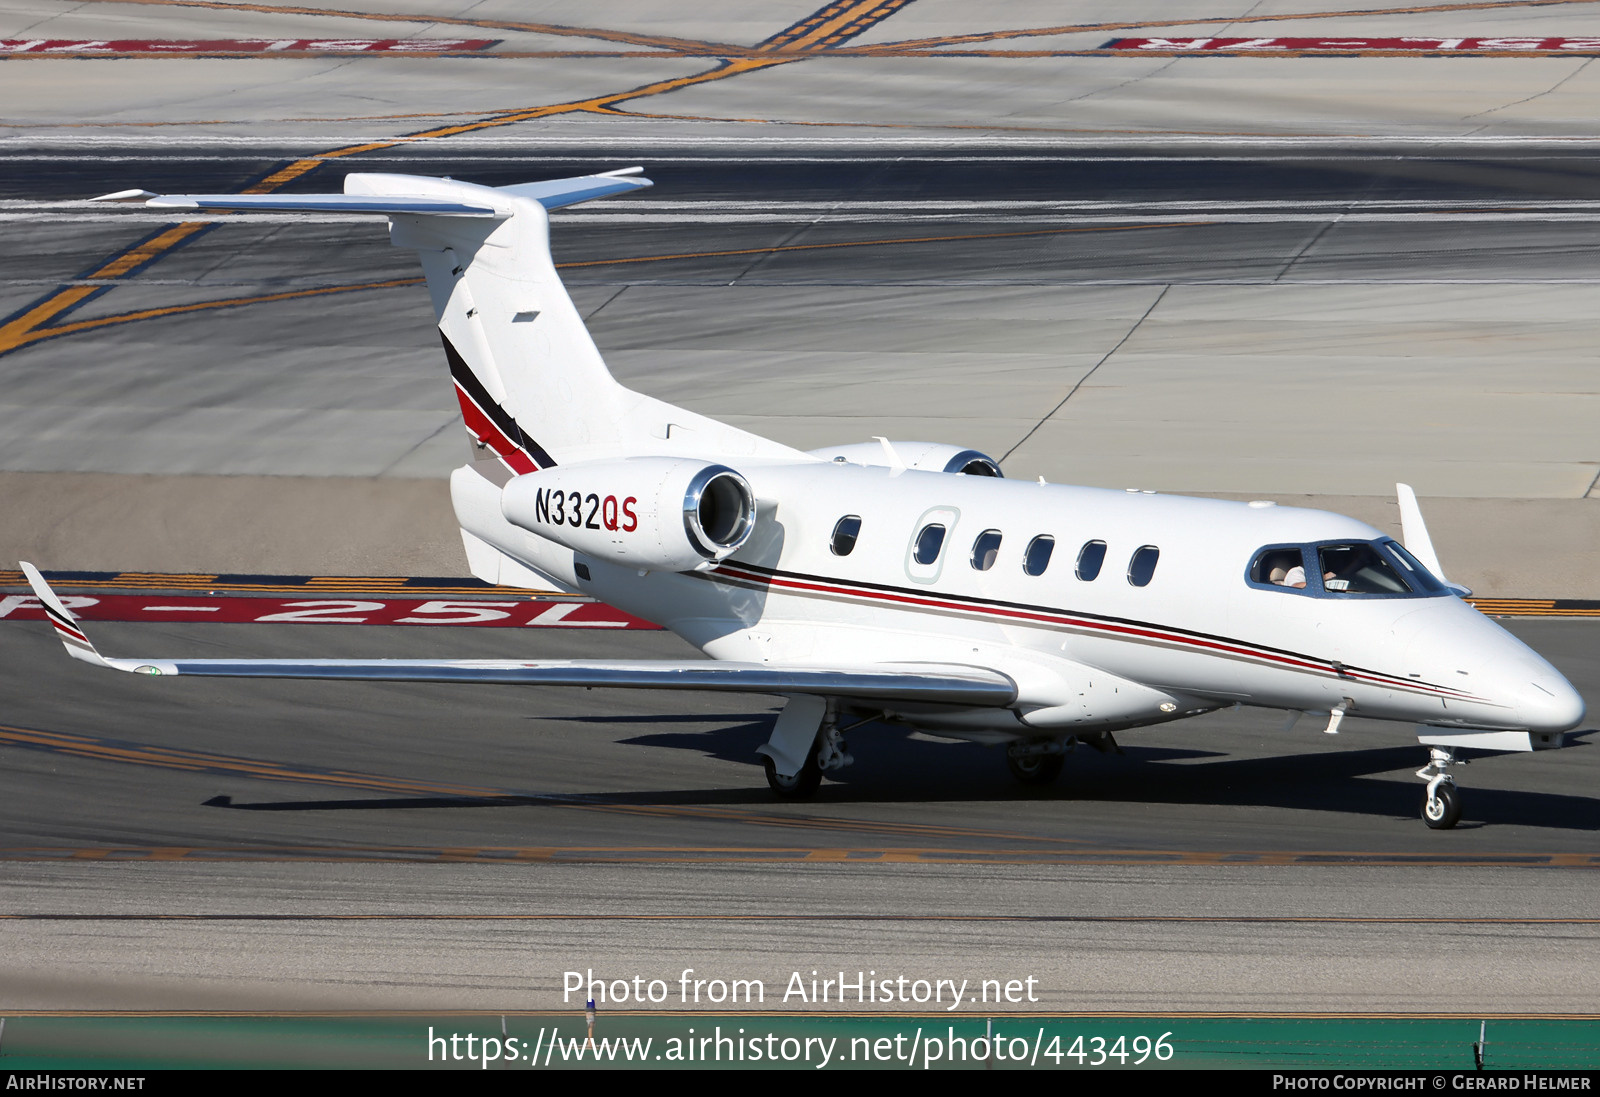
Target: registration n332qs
x=906 y=582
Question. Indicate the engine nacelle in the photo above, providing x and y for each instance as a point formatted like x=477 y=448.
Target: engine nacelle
x=925 y=456
x=655 y=513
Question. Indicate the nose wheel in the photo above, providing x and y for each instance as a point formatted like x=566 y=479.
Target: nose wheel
x=1441 y=806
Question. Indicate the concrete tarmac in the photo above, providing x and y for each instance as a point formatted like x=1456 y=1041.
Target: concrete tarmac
x=1314 y=330
x=1303 y=277
x=219 y=845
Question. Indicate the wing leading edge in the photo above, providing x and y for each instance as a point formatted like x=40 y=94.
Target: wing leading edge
x=920 y=682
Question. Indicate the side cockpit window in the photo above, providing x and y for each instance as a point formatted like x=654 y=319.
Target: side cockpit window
x=1341 y=569
x=1279 y=567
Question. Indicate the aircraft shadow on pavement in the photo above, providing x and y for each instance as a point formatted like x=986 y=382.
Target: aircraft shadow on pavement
x=891 y=767
x=894 y=768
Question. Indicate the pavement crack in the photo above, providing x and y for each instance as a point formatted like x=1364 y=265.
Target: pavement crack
x=606 y=302
x=1306 y=247
x=392 y=465
x=1536 y=95
x=1106 y=358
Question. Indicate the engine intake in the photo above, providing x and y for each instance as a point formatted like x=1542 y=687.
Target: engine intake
x=657 y=513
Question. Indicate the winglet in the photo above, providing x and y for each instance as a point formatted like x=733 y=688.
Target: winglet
x=1414 y=534
x=78 y=645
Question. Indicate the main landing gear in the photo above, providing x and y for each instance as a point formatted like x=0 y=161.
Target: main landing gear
x=1441 y=807
x=801 y=785
x=828 y=752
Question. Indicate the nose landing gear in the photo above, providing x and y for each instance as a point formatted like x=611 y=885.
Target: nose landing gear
x=1441 y=807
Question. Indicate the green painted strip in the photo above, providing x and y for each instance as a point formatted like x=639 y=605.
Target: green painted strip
x=401 y=1041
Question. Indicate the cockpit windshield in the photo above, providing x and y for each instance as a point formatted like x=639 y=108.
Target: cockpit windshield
x=1417 y=575
x=1358 y=569
x=1345 y=568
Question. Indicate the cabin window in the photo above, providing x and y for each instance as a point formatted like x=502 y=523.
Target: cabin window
x=985 y=549
x=1090 y=557
x=929 y=542
x=845 y=533
x=1358 y=569
x=1142 y=568
x=1279 y=567
x=1037 y=558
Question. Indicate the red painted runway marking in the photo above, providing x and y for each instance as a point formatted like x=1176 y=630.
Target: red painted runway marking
x=1346 y=44
x=517 y=613
x=92 y=47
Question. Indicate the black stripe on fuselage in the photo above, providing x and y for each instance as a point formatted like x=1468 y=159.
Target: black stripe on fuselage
x=463 y=375
x=981 y=604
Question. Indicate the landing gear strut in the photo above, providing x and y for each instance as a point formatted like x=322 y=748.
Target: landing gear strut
x=827 y=750
x=1441 y=807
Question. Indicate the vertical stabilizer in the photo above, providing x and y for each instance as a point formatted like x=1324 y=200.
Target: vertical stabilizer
x=532 y=386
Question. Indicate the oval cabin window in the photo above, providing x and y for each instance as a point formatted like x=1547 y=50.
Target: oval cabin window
x=845 y=534
x=1037 y=558
x=1142 y=568
x=985 y=549
x=1090 y=557
x=929 y=542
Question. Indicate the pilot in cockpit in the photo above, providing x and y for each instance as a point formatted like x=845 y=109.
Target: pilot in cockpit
x=1284 y=569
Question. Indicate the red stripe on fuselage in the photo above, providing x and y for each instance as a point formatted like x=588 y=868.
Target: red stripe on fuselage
x=1215 y=646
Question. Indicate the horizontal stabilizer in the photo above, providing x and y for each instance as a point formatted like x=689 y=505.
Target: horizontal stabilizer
x=359 y=197
x=321 y=203
x=558 y=193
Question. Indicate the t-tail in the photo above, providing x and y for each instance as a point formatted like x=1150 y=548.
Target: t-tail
x=533 y=389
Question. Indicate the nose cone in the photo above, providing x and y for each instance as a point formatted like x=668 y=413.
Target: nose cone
x=1549 y=703
x=1453 y=643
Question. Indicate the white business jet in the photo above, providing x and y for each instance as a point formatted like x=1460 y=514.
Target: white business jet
x=898 y=581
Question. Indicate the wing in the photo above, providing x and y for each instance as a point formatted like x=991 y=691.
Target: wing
x=925 y=682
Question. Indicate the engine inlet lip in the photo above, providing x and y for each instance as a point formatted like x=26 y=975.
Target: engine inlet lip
x=702 y=541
